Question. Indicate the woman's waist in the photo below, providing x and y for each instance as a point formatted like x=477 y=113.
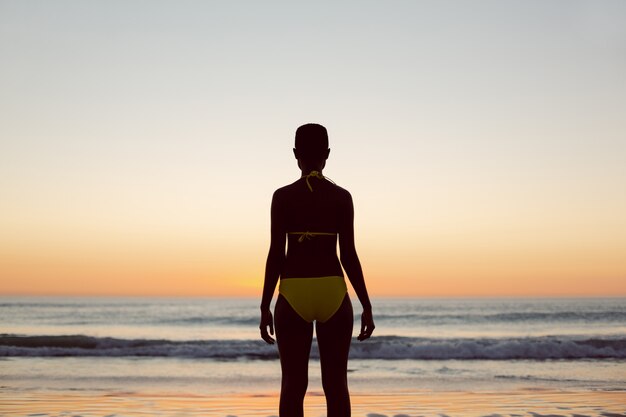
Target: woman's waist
x=312 y=267
x=316 y=278
x=311 y=285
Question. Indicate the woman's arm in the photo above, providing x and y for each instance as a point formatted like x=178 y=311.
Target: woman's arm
x=352 y=265
x=273 y=268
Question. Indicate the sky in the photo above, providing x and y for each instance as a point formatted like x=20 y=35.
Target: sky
x=484 y=143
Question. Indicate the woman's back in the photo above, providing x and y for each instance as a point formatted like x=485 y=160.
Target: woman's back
x=312 y=218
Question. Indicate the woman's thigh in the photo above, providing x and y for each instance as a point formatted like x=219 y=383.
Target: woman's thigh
x=334 y=337
x=293 y=335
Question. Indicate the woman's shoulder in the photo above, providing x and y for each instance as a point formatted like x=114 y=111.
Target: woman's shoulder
x=342 y=191
x=287 y=189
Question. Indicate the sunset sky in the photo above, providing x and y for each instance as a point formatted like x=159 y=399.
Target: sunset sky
x=484 y=143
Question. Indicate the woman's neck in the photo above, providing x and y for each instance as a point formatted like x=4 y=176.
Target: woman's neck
x=307 y=169
x=306 y=172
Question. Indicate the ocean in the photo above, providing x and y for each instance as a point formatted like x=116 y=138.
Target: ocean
x=211 y=346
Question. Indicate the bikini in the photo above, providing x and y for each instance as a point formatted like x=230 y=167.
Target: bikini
x=316 y=298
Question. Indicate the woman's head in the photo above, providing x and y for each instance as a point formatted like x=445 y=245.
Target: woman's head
x=311 y=144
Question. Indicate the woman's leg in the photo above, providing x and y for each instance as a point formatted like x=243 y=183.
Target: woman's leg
x=333 y=339
x=294 y=336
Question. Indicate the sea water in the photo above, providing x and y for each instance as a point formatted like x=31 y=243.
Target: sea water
x=212 y=345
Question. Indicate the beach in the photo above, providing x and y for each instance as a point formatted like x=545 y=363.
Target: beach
x=191 y=357
x=515 y=403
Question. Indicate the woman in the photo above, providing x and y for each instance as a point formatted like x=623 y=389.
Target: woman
x=309 y=215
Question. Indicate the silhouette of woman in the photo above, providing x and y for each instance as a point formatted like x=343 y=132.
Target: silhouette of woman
x=309 y=215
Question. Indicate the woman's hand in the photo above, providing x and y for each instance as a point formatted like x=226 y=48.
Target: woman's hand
x=367 y=325
x=267 y=320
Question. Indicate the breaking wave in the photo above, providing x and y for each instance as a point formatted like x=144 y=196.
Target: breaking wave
x=381 y=347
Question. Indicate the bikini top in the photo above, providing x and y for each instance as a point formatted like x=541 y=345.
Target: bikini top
x=308 y=235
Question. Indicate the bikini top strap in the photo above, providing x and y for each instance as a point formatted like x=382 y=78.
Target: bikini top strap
x=317 y=175
x=309 y=235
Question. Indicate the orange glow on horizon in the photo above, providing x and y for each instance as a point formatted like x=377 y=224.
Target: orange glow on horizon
x=185 y=270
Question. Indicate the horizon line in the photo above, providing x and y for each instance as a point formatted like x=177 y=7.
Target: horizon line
x=546 y=296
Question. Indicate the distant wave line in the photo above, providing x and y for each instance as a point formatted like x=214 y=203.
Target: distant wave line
x=591 y=317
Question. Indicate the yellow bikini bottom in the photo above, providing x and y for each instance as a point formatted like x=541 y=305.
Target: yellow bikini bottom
x=314 y=298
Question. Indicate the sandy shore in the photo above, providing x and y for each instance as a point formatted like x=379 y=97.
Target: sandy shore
x=534 y=403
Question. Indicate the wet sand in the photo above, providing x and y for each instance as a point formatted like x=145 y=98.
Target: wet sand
x=533 y=403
